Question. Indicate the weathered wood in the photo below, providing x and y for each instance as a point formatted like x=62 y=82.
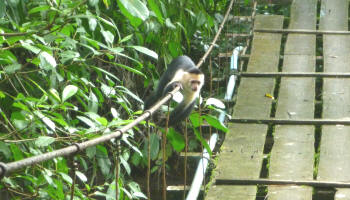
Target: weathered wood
x=281 y=182
x=301 y=31
x=292 y=155
x=334 y=151
x=343 y=121
x=242 y=151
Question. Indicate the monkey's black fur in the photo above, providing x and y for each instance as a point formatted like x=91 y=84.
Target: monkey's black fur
x=184 y=108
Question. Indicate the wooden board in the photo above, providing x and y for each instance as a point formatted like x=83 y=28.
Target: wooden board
x=292 y=155
x=242 y=152
x=334 y=162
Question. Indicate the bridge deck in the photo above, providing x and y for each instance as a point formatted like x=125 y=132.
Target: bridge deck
x=294 y=153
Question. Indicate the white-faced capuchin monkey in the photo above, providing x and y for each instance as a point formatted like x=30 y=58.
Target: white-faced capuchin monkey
x=181 y=71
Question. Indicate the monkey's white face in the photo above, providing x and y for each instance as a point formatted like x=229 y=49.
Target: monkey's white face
x=193 y=83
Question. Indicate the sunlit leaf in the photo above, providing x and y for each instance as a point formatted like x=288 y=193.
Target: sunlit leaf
x=81 y=176
x=66 y=177
x=156 y=10
x=46 y=120
x=214 y=121
x=10 y=69
x=215 y=102
x=93 y=2
x=126 y=38
x=135 y=21
x=125 y=165
x=108 y=36
x=93 y=103
x=87 y=121
x=92 y=23
x=47 y=61
x=136 y=8
x=44 y=141
x=55 y=94
x=146 y=51
x=169 y=24
x=68 y=92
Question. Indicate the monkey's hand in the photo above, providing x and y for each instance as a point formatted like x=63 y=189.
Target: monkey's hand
x=172 y=86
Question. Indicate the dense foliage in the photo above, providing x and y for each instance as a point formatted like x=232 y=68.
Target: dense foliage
x=71 y=70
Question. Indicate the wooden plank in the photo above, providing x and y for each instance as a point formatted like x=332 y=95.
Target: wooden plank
x=292 y=155
x=334 y=162
x=242 y=151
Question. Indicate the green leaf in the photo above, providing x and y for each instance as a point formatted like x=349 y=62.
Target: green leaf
x=93 y=3
x=102 y=120
x=146 y=51
x=135 y=21
x=2 y=9
x=87 y=121
x=136 y=8
x=106 y=72
x=16 y=152
x=27 y=44
x=21 y=106
x=65 y=177
x=125 y=165
x=154 y=141
x=81 y=176
x=44 y=141
x=38 y=9
x=201 y=19
x=10 y=69
x=213 y=121
x=156 y=10
x=91 y=152
x=215 y=102
x=136 y=190
x=93 y=103
x=46 y=120
x=131 y=69
x=169 y=24
x=68 y=92
x=176 y=140
x=195 y=119
x=108 y=91
x=19 y=120
x=55 y=94
x=103 y=161
x=126 y=38
x=2 y=94
x=108 y=36
x=5 y=150
x=47 y=61
x=204 y=143
x=92 y=23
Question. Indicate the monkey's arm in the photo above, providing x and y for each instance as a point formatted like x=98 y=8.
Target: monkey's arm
x=181 y=112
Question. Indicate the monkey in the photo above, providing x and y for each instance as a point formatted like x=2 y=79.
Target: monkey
x=180 y=72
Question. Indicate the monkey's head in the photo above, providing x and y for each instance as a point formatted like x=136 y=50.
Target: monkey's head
x=193 y=81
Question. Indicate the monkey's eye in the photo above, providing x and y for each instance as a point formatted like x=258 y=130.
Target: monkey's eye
x=195 y=82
